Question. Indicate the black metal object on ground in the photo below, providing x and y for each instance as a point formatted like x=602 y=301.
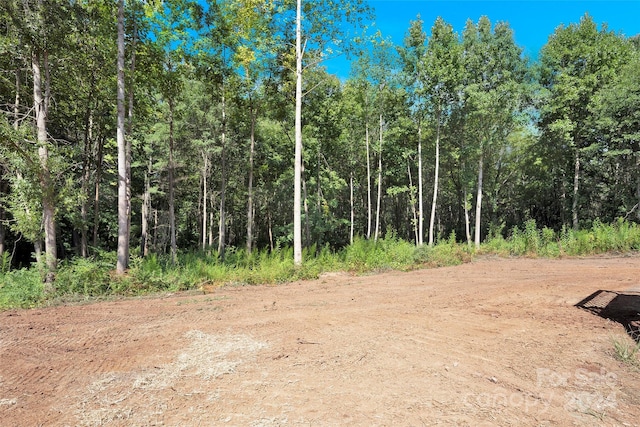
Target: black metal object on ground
x=621 y=307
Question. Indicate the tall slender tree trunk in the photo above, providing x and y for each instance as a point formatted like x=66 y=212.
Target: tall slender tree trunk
x=252 y=143
x=205 y=198
x=305 y=204
x=172 y=183
x=479 y=199
x=351 y=208
x=47 y=82
x=369 y=207
x=16 y=103
x=211 y=221
x=377 y=231
x=223 y=182
x=123 y=208
x=270 y=230
x=420 y=232
x=576 y=184
x=297 y=174
x=37 y=243
x=46 y=184
x=155 y=228
x=435 y=181
x=146 y=209
x=129 y=131
x=96 y=192
x=86 y=168
x=467 y=222
x=222 y=237
x=86 y=172
x=413 y=205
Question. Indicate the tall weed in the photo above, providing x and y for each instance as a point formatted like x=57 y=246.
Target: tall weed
x=445 y=253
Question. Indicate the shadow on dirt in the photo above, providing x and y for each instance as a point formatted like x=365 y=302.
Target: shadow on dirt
x=621 y=307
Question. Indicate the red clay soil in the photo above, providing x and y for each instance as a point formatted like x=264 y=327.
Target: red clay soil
x=497 y=342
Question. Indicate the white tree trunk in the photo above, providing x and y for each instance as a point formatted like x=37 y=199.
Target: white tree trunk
x=205 y=198
x=46 y=186
x=576 y=185
x=222 y=238
x=435 y=184
x=479 y=201
x=123 y=209
x=297 y=174
x=172 y=204
x=211 y=221
x=270 y=230
x=467 y=225
x=420 y=233
x=369 y=207
x=146 y=209
x=129 y=131
x=96 y=192
x=377 y=231
x=250 y=184
x=305 y=205
x=37 y=244
x=413 y=205
x=351 y=209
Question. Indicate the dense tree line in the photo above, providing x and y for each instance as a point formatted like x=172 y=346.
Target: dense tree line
x=174 y=126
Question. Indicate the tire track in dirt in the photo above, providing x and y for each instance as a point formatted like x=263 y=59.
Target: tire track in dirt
x=53 y=355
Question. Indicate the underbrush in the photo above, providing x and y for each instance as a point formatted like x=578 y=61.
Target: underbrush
x=90 y=278
x=618 y=237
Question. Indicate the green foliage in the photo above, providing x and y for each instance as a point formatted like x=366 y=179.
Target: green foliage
x=587 y=114
x=5 y=262
x=93 y=277
x=21 y=289
x=496 y=244
x=620 y=237
x=388 y=253
x=83 y=276
x=445 y=253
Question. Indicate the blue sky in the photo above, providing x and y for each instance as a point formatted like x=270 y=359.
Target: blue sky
x=532 y=20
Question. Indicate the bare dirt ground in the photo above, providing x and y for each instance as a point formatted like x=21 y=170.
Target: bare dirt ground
x=498 y=342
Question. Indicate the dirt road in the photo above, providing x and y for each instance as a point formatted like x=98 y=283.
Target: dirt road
x=498 y=342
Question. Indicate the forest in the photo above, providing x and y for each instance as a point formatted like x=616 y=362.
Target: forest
x=135 y=130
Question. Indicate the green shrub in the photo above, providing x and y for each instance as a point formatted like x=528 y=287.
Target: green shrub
x=498 y=245
x=5 y=262
x=531 y=237
x=549 y=245
x=517 y=242
x=21 y=289
x=83 y=276
x=387 y=253
x=446 y=253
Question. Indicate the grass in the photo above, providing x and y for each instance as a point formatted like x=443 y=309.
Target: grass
x=90 y=278
x=627 y=351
